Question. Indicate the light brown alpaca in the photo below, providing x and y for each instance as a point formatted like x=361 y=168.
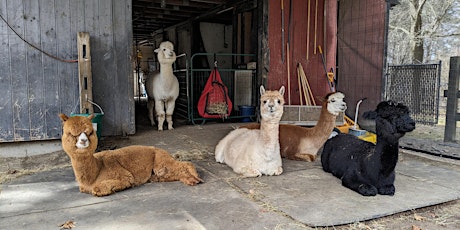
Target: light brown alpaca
x=254 y=153
x=106 y=172
x=303 y=143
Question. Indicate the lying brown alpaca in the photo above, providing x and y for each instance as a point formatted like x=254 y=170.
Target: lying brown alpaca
x=106 y=172
x=302 y=143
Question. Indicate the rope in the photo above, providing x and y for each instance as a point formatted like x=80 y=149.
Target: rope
x=35 y=47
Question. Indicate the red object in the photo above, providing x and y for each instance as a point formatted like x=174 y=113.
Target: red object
x=215 y=94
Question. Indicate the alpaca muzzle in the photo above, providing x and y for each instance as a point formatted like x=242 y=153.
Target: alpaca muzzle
x=83 y=141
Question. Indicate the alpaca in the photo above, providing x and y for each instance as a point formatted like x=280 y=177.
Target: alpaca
x=163 y=87
x=362 y=166
x=303 y=143
x=253 y=153
x=106 y=172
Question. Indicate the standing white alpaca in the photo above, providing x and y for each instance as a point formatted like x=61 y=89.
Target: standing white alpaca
x=163 y=87
x=253 y=152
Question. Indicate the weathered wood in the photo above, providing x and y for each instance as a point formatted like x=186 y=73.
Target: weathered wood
x=19 y=79
x=84 y=72
x=35 y=85
x=6 y=107
x=452 y=115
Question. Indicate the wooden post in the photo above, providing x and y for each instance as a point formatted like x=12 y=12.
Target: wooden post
x=452 y=100
x=84 y=73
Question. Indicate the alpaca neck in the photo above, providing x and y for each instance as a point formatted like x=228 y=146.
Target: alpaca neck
x=269 y=131
x=165 y=68
x=325 y=124
x=86 y=167
x=388 y=152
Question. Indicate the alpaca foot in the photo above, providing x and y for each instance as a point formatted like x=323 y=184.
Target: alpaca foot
x=252 y=173
x=279 y=171
x=303 y=157
x=191 y=180
x=101 y=191
x=387 y=190
x=367 y=190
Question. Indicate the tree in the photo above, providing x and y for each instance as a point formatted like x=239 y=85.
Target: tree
x=418 y=26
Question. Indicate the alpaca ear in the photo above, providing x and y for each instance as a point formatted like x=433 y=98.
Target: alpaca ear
x=91 y=116
x=282 y=90
x=262 y=90
x=63 y=117
x=157 y=50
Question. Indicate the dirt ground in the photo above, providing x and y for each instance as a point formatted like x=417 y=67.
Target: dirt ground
x=427 y=138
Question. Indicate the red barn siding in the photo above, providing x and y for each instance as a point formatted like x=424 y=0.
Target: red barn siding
x=278 y=72
x=361 y=39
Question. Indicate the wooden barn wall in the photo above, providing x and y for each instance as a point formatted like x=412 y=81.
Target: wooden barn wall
x=361 y=39
x=319 y=24
x=35 y=87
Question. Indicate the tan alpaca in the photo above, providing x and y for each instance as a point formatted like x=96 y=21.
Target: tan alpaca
x=256 y=152
x=303 y=143
x=106 y=172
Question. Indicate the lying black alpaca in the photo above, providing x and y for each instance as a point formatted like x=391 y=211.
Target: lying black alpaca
x=362 y=166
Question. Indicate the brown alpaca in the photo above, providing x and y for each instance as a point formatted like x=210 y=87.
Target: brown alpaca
x=106 y=172
x=303 y=143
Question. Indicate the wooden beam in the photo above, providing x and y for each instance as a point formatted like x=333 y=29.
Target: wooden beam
x=452 y=100
x=84 y=73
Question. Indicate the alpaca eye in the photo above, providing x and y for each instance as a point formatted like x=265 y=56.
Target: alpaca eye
x=332 y=100
x=265 y=102
x=279 y=101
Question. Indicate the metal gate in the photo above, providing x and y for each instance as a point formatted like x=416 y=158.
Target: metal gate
x=416 y=86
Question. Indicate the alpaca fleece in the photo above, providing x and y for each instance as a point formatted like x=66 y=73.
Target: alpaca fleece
x=362 y=166
x=256 y=152
x=303 y=143
x=163 y=87
x=106 y=172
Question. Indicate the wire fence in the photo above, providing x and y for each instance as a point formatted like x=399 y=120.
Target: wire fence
x=418 y=87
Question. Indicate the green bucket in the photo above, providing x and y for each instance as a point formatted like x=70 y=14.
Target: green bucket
x=97 y=119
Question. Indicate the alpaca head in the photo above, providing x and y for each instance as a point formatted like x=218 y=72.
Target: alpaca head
x=393 y=119
x=335 y=103
x=165 y=53
x=271 y=104
x=78 y=135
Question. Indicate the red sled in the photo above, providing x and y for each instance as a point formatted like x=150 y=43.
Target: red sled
x=214 y=101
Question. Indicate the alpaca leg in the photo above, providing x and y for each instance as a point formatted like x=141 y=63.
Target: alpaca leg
x=169 y=111
x=303 y=157
x=108 y=187
x=150 y=105
x=249 y=172
x=159 y=109
x=387 y=190
x=355 y=182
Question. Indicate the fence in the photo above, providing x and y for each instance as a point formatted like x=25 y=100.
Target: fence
x=416 y=86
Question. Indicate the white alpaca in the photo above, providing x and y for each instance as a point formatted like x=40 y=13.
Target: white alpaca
x=253 y=152
x=163 y=87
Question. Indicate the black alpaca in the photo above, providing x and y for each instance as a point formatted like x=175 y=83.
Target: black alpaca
x=362 y=166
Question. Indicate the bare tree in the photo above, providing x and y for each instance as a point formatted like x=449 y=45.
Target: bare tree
x=417 y=25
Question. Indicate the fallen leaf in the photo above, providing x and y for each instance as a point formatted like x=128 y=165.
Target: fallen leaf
x=416 y=227
x=68 y=225
x=417 y=217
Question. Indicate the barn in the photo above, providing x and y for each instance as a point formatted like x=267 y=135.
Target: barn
x=253 y=42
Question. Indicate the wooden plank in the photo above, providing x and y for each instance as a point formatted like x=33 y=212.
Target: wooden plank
x=49 y=44
x=452 y=100
x=84 y=72
x=123 y=35
x=21 y=120
x=66 y=50
x=35 y=84
x=6 y=107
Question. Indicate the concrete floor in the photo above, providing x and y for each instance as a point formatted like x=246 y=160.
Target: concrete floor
x=303 y=196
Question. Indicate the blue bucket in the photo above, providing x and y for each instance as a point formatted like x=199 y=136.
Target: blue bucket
x=246 y=110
